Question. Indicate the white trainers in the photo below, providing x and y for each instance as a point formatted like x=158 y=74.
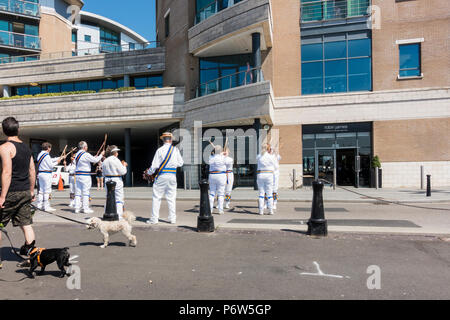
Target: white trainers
x=50 y=209
x=270 y=213
x=77 y=210
x=150 y=222
x=221 y=212
x=261 y=213
x=88 y=211
x=227 y=205
x=173 y=222
x=71 y=205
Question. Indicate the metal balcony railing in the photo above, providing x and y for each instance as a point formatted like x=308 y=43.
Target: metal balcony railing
x=212 y=8
x=22 y=7
x=234 y=80
x=320 y=10
x=107 y=48
x=19 y=40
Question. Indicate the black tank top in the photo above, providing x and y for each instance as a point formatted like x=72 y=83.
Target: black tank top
x=20 y=180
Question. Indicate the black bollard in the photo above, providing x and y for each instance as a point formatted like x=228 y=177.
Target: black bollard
x=205 y=221
x=317 y=225
x=111 y=208
x=428 y=185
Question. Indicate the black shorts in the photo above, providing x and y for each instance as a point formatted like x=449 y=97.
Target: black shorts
x=17 y=207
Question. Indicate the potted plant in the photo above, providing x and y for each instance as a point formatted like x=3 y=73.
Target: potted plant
x=375 y=164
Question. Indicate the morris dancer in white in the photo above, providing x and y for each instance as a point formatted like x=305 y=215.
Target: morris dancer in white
x=166 y=160
x=230 y=177
x=267 y=164
x=276 y=179
x=83 y=161
x=71 y=169
x=113 y=170
x=218 y=177
x=45 y=165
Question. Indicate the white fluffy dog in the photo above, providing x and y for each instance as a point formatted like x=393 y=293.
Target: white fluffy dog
x=107 y=227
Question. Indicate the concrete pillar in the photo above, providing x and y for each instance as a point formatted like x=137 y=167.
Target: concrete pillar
x=6 y=91
x=126 y=80
x=128 y=156
x=257 y=127
x=256 y=52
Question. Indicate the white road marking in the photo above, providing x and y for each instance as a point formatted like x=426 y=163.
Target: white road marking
x=321 y=274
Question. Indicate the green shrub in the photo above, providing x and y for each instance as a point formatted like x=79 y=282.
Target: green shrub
x=376 y=162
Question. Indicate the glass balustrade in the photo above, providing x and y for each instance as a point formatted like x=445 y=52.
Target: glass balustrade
x=319 y=10
x=19 y=40
x=204 y=11
x=22 y=7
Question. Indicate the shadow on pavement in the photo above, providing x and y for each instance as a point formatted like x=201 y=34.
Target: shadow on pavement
x=98 y=244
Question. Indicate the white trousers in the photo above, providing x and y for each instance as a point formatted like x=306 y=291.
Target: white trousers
x=45 y=189
x=82 y=191
x=229 y=186
x=265 y=187
x=217 y=184
x=118 y=193
x=72 y=190
x=276 y=178
x=166 y=184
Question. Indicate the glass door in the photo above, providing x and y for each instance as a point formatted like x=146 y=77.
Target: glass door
x=325 y=161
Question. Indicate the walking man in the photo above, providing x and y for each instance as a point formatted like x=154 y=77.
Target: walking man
x=18 y=178
x=267 y=164
x=165 y=162
x=218 y=177
x=83 y=162
x=45 y=164
x=113 y=170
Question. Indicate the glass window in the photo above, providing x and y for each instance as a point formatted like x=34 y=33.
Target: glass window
x=120 y=83
x=364 y=140
x=308 y=141
x=155 y=81
x=359 y=48
x=410 y=60
x=312 y=52
x=336 y=76
x=335 y=50
x=21 y=91
x=31 y=30
x=109 y=84
x=359 y=74
x=87 y=38
x=35 y=90
x=53 y=88
x=81 y=86
x=308 y=162
x=140 y=82
x=347 y=139
x=4 y=25
x=312 y=77
x=95 y=85
x=324 y=140
x=66 y=87
x=74 y=36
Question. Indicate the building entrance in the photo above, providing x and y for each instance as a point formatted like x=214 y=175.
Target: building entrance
x=345 y=167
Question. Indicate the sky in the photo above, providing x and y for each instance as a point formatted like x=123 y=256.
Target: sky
x=138 y=15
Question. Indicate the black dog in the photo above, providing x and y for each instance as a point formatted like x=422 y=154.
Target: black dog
x=43 y=257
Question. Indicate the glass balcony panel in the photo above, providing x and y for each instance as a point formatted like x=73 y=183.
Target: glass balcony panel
x=319 y=10
x=20 y=7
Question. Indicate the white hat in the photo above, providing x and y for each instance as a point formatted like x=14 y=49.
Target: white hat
x=115 y=149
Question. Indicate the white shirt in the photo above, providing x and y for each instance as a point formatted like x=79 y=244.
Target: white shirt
x=219 y=162
x=267 y=162
x=229 y=163
x=112 y=166
x=278 y=158
x=175 y=160
x=84 y=162
x=71 y=167
x=47 y=163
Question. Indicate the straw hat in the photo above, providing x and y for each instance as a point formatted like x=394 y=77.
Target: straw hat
x=166 y=134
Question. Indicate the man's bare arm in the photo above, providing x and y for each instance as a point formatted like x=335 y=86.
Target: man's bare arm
x=32 y=172
x=5 y=155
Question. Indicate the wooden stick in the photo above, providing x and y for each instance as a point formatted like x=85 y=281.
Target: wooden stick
x=103 y=145
x=73 y=149
x=64 y=151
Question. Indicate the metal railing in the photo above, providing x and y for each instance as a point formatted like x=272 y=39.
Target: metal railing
x=19 y=40
x=234 y=80
x=98 y=49
x=320 y=10
x=212 y=8
x=22 y=7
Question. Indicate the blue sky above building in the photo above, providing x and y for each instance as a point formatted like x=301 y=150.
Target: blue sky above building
x=138 y=15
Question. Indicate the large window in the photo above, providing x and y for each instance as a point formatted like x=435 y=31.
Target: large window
x=143 y=82
x=95 y=85
x=109 y=40
x=225 y=72
x=207 y=8
x=409 y=60
x=336 y=63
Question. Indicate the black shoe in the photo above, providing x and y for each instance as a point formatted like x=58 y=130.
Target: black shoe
x=23 y=264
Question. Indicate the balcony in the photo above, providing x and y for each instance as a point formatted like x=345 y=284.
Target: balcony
x=96 y=49
x=212 y=8
x=25 y=8
x=230 y=81
x=62 y=66
x=322 y=10
x=229 y=30
x=20 y=40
